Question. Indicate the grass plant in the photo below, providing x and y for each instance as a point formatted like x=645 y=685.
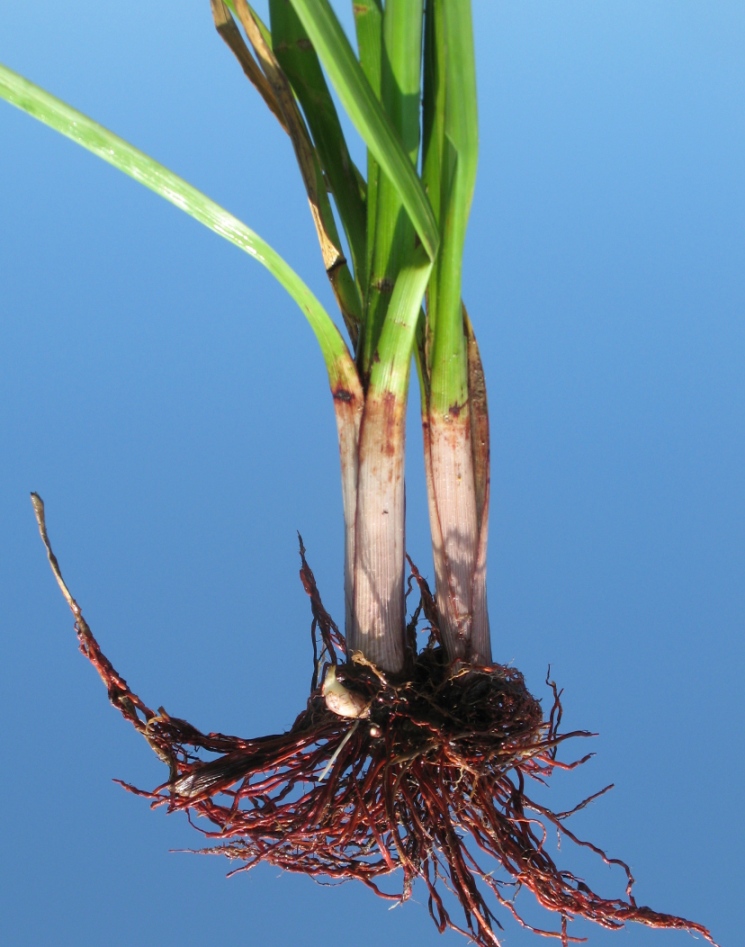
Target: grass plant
x=406 y=764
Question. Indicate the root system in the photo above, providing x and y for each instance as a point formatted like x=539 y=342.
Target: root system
x=425 y=781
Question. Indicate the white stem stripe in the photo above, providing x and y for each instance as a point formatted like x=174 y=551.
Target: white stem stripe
x=348 y=406
x=459 y=545
x=378 y=614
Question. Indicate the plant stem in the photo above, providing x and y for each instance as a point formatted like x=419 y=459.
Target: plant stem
x=458 y=511
x=378 y=615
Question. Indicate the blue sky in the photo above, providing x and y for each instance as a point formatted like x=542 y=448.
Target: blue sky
x=167 y=401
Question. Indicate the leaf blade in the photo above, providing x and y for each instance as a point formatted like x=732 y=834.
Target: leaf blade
x=366 y=113
x=393 y=234
x=301 y=66
x=458 y=175
x=92 y=136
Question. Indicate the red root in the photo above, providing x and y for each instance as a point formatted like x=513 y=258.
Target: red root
x=429 y=784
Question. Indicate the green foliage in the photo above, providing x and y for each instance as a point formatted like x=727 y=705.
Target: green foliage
x=407 y=219
x=108 y=146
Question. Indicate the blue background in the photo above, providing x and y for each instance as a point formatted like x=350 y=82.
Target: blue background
x=167 y=401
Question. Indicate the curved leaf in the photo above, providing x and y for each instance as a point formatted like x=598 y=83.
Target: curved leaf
x=68 y=121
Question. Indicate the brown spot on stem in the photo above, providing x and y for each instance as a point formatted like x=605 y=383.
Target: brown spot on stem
x=391 y=425
x=383 y=285
x=342 y=394
x=455 y=409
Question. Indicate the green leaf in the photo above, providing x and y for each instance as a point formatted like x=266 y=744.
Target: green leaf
x=367 y=114
x=301 y=66
x=433 y=140
x=108 y=146
x=280 y=90
x=390 y=372
x=394 y=233
x=433 y=103
x=368 y=23
x=402 y=66
x=449 y=378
